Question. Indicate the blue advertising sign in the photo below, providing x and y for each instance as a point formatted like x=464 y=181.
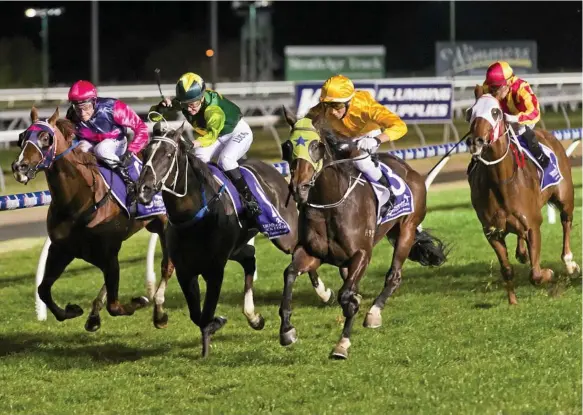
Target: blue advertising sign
x=427 y=102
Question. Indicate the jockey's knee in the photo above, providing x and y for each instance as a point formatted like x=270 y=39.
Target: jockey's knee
x=228 y=162
x=368 y=167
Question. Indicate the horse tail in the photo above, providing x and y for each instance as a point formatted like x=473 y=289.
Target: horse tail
x=428 y=250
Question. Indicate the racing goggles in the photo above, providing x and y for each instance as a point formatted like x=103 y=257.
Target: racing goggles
x=193 y=105
x=335 y=105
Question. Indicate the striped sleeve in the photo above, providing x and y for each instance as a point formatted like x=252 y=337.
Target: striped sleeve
x=531 y=113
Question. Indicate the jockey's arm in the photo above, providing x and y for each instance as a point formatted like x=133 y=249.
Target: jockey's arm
x=531 y=114
x=126 y=117
x=392 y=126
x=215 y=122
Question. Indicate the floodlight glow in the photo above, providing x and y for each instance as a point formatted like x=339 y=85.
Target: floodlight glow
x=30 y=13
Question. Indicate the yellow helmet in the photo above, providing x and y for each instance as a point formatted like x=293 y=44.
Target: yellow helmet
x=337 y=88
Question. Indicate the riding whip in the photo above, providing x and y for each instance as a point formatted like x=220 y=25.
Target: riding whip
x=157 y=70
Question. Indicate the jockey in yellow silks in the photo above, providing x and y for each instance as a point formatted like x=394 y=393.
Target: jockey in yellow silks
x=357 y=115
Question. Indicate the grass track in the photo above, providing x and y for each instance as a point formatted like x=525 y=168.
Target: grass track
x=449 y=341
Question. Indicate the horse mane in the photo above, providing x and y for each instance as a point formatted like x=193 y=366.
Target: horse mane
x=67 y=128
x=200 y=169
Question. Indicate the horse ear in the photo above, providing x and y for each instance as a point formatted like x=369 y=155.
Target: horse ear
x=478 y=91
x=54 y=117
x=33 y=114
x=289 y=116
x=178 y=133
x=496 y=114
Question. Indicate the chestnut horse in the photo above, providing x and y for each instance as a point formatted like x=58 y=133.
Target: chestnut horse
x=507 y=197
x=338 y=224
x=84 y=221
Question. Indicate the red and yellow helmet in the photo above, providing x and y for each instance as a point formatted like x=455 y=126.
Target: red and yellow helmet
x=337 y=88
x=498 y=74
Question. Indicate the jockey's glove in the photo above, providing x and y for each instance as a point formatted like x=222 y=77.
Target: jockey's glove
x=511 y=119
x=126 y=159
x=368 y=144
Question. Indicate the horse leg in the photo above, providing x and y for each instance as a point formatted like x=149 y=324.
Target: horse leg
x=349 y=299
x=160 y=317
x=521 y=252
x=110 y=269
x=301 y=262
x=246 y=257
x=93 y=322
x=57 y=261
x=537 y=275
x=188 y=282
x=567 y=256
x=499 y=246
x=402 y=249
x=209 y=323
x=325 y=294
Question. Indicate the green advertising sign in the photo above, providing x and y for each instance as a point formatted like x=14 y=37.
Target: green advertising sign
x=316 y=63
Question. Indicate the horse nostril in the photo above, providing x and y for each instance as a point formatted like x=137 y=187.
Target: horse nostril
x=480 y=141
x=23 y=167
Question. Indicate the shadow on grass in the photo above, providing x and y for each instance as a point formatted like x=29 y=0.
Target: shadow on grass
x=70 y=346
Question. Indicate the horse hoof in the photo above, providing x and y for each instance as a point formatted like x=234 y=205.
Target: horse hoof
x=93 y=324
x=373 y=321
x=160 y=320
x=140 y=302
x=258 y=323
x=339 y=353
x=289 y=337
x=573 y=268
x=73 y=311
x=220 y=321
x=523 y=259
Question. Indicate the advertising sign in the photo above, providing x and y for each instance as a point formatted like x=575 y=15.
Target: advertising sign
x=311 y=63
x=473 y=58
x=428 y=102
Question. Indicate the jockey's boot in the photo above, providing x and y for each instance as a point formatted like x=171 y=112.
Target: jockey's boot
x=130 y=185
x=535 y=148
x=392 y=198
x=250 y=203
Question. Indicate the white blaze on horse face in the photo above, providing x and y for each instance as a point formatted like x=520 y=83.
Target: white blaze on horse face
x=483 y=109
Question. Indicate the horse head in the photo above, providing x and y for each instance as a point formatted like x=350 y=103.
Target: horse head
x=42 y=143
x=161 y=167
x=304 y=152
x=486 y=123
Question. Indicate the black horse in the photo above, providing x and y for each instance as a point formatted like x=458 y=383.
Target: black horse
x=205 y=230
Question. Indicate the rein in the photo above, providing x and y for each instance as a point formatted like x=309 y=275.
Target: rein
x=205 y=209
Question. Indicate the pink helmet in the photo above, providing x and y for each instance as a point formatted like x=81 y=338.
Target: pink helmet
x=82 y=91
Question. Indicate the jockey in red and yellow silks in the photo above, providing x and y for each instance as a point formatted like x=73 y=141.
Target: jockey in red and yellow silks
x=357 y=115
x=519 y=103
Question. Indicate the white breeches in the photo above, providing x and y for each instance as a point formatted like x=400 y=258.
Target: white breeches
x=521 y=128
x=229 y=148
x=107 y=150
x=365 y=164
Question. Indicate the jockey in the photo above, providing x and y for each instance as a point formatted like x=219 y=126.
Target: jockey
x=101 y=125
x=357 y=115
x=222 y=132
x=520 y=105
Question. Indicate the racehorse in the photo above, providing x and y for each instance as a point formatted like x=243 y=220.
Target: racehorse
x=338 y=222
x=205 y=229
x=84 y=220
x=506 y=191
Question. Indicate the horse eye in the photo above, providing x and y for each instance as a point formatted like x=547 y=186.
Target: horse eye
x=169 y=155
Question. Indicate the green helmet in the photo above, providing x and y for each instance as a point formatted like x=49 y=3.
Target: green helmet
x=190 y=87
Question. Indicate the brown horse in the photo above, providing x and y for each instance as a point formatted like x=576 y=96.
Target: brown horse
x=507 y=197
x=338 y=224
x=84 y=221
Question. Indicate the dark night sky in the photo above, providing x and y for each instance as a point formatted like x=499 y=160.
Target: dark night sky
x=407 y=29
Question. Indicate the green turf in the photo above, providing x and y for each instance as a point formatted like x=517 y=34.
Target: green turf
x=449 y=343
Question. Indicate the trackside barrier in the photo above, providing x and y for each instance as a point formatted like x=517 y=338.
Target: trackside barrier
x=43 y=198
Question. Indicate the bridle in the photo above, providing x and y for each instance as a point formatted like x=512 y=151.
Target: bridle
x=161 y=184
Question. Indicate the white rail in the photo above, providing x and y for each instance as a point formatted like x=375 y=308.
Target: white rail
x=259 y=88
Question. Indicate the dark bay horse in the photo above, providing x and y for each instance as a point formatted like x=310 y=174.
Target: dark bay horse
x=338 y=225
x=84 y=221
x=205 y=231
x=507 y=197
